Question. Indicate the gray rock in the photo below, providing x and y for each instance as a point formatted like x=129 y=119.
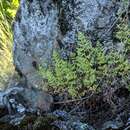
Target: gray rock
x=70 y=125
x=43 y=26
x=37 y=99
x=34 y=38
x=127 y=126
x=114 y=124
x=20 y=100
x=81 y=126
x=12 y=119
x=68 y=122
x=62 y=114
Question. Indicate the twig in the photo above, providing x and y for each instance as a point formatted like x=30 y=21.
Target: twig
x=78 y=105
x=70 y=101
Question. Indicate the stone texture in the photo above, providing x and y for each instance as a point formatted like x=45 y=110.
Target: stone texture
x=43 y=26
x=113 y=125
x=69 y=122
x=34 y=35
x=20 y=100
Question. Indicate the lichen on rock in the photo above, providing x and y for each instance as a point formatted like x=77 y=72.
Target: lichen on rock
x=34 y=38
x=43 y=26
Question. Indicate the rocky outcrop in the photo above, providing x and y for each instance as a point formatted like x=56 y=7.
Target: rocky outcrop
x=41 y=26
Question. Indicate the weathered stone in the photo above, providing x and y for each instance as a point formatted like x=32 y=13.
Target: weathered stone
x=42 y=26
x=70 y=125
x=34 y=38
x=127 y=126
x=68 y=122
x=114 y=125
x=20 y=100
x=38 y=99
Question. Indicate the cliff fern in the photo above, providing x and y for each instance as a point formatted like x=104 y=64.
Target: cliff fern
x=89 y=68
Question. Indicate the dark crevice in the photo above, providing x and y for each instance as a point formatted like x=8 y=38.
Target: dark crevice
x=63 y=23
x=19 y=72
x=122 y=92
x=30 y=1
x=35 y=65
x=18 y=15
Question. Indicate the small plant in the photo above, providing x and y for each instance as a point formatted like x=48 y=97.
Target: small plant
x=89 y=68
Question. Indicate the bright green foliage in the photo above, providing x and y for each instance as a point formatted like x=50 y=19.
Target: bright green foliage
x=63 y=75
x=87 y=69
x=8 y=9
x=7 y=12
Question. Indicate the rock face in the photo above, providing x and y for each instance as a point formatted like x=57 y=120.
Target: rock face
x=41 y=26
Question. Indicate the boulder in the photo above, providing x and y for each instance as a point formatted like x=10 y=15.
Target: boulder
x=42 y=26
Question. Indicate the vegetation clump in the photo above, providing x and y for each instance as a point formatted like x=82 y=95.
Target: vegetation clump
x=89 y=68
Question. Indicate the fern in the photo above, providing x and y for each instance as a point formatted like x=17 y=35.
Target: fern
x=90 y=69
